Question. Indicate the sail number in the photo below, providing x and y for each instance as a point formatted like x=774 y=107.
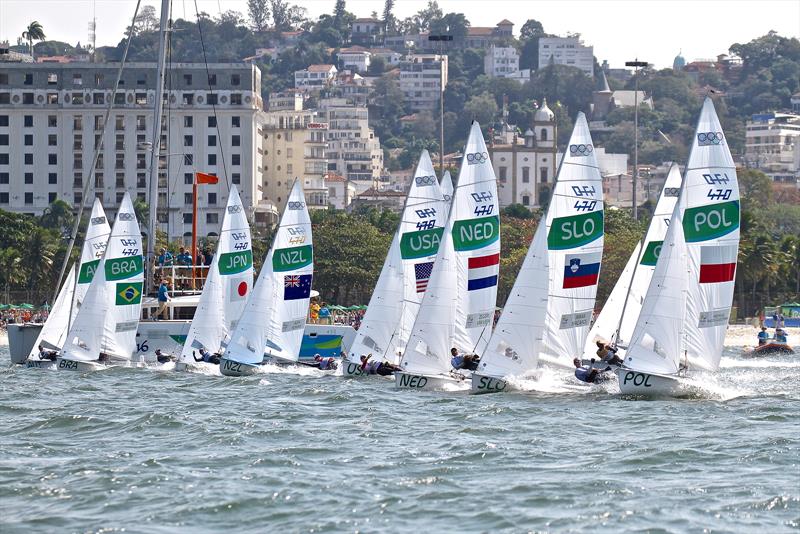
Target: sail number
x=638 y=379
x=410 y=381
x=142 y=347
x=487 y=383
x=234 y=367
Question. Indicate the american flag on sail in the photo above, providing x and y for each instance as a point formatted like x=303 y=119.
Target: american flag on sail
x=422 y=271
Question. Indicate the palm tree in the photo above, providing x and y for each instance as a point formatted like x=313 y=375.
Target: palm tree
x=35 y=32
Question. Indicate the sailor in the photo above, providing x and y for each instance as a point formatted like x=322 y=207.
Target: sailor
x=161 y=357
x=763 y=336
x=163 y=298
x=325 y=364
x=206 y=357
x=608 y=353
x=780 y=336
x=102 y=357
x=586 y=373
x=46 y=354
x=376 y=367
x=464 y=361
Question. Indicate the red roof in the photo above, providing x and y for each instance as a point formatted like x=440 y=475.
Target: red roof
x=319 y=68
x=505 y=22
x=333 y=177
x=480 y=30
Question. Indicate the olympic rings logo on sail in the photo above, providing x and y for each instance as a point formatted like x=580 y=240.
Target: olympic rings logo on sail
x=296 y=205
x=234 y=209
x=448 y=198
x=709 y=138
x=425 y=180
x=98 y=220
x=581 y=150
x=672 y=191
x=123 y=216
x=477 y=157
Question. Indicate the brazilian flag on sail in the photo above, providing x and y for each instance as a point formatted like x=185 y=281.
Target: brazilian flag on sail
x=129 y=293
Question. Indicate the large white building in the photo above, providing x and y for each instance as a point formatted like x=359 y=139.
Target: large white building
x=51 y=117
x=772 y=145
x=568 y=51
x=315 y=77
x=422 y=80
x=500 y=61
x=354 y=151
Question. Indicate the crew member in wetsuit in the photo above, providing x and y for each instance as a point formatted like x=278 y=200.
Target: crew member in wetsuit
x=162 y=358
x=206 y=357
x=608 y=353
x=763 y=336
x=376 y=367
x=47 y=354
x=585 y=373
x=464 y=361
x=325 y=364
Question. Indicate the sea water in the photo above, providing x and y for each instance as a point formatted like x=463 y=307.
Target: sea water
x=157 y=451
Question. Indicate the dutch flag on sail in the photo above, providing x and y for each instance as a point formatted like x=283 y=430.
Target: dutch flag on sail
x=483 y=271
x=717 y=264
x=581 y=270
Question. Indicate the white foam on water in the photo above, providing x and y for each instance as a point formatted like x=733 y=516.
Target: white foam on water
x=301 y=370
x=550 y=380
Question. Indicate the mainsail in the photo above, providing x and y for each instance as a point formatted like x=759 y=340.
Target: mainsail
x=54 y=331
x=622 y=308
x=553 y=294
x=227 y=286
x=457 y=309
x=447 y=190
x=274 y=317
x=407 y=269
x=109 y=316
x=93 y=248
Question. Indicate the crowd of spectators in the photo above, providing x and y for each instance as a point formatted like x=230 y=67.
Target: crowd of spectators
x=16 y=316
x=179 y=268
x=323 y=313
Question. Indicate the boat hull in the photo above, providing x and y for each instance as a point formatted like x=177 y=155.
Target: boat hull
x=488 y=384
x=770 y=349
x=352 y=370
x=647 y=384
x=232 y=368
x=404 y=380
x=81 y=367
x=40 y=364
x=21 y=338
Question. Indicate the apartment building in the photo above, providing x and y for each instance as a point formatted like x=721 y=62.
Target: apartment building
x=293 y=147
x=422 y=80
x=354 y=151
x=569 y=51
x=51 y=118
x=355 y=57
x=772 y=145
x=315 y=77
x=500 y=61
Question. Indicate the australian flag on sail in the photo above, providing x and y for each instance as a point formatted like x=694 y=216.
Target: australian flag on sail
x=581 y=270
x=422 y=271
x=296 y=286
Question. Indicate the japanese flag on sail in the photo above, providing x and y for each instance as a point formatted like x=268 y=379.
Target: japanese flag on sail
x=483 y=271
x=717 y=263
x=581 y=270
x=239 y=288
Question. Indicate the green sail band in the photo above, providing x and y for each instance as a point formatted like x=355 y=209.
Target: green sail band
x=471 y=234
x=289 y=259
x=420 y=244
x=575 y=231
x=87 y=271
x=121 y=268
x=651 y=252
x=711 y=221
x=235 y=262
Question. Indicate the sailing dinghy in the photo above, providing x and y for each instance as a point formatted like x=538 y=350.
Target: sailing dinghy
x=227 y=286
x=550 y=306
x=685 y=312
x=394 y=303
x=72 y=293
x=457 y=309
x=273 y=319
x=104 y=330
x=621 y=311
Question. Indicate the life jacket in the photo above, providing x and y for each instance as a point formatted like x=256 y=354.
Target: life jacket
x=582 y=374
x=373 y=366
x=325 y=363
x=457 y=361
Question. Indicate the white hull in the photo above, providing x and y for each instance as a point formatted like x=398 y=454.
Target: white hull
x=40 y=364
x=404 y=380
x=352 y=370
x=81 y=367
x=647 y=384
x=232 y=368
x=488 y=384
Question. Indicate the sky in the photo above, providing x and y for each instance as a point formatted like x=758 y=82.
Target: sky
x=619 y=30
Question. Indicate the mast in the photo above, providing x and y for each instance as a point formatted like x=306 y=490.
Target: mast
x=155 y=147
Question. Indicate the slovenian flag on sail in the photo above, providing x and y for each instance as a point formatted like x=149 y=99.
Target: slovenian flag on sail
x=717 y=264
x=483 y=271
x=581 y=270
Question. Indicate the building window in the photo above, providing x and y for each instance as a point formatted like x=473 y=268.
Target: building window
x=119 y=99
x=52 y=140
x=187 y=79
x=188 y=140
x=28 y=159
x=98 y=180
x=77 y=123
x=212 y=159
x=236 y=140
x=188 y=159
x=141 y=161
x=236 y=178
x=187 y=199
x=188 y=122
x=52 y=159
x=212 y=218
x=526 y=200
x=141 y=99
x=236 y=159
x=98 y=99
x=119 y=142
x=5 y=98
x=28 y=177
x=77 y=98
x=212 y=79
x=187 y=218
x=211 y=99
x=3 y=177
x=212 y=198
x=3 y=120
x=98 y=122
x=236 y=99
x=98 y=79
x=188 y=99
x=52 y=78
x=3 y=159
x=119 y=162
x=3 y=198
x=29 y=198
x=119 y=123
x=236 y=122
x=141 y=123
x=52 y=178
x=77 y=179
x=543 y=135
x=503 y=171
x=526 y=175
x=77 y=162
x=236 y=79
x=120 y=179
x=141 y=181
x=78 y=197
x=52 y=121
x=51 y=197
x=212 y=140
x=212 y=122
x=27 y=121
x=4 y=140
x=543 y=175
x=28 y=79
x=187 y=178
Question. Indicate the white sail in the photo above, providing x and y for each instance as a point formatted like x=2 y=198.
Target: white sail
x=109 y=316
x=275 y=314
x=447 y=190
x=227 y=286
x=629 y=291
x=457 y=309
x=54 y=331
x=406 y=271
x=553 y=295
x=94 y=245
x=711 y=227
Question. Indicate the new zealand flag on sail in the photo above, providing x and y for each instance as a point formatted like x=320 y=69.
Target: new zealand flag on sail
x=296 y=286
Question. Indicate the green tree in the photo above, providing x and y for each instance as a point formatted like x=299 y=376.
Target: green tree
x=34 y=32
x=58 y=217
x=285 y=16
x=389 y=20
x=258 y=10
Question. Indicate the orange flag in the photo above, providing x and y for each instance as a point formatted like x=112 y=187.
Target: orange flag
x=203 y=178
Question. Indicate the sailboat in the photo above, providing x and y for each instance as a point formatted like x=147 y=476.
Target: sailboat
x=72 y=293
x=272 y=322
x=549 y=309
x=685 y=312
x=405 y=273
x=227 y=286
x=447 y=190
x=618 y=318
x=457 y=309
x=104 y=329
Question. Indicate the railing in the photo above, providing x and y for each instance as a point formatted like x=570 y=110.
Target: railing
x=182 y=279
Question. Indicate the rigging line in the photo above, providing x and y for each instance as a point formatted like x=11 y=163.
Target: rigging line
x=169 y=76
x=97 y=148
x=213 y=97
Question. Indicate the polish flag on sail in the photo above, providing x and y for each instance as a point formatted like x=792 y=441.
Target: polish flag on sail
x=483 y=271
x=717 y=263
